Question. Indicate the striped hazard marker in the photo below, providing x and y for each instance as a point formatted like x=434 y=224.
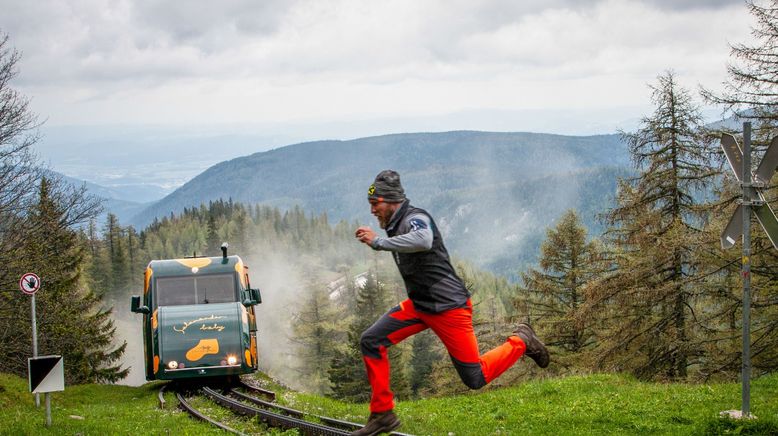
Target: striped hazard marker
x=46 y=373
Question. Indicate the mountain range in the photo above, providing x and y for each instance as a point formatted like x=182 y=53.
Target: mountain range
x=493 y=194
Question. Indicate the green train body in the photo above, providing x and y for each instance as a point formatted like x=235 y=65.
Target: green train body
x=198 y=318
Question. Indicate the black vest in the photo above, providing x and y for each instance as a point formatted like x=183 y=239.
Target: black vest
x=430 y=280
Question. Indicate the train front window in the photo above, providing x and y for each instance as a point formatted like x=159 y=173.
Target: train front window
x=177 y=291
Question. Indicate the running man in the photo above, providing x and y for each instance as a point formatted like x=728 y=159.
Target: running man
x=437 y=299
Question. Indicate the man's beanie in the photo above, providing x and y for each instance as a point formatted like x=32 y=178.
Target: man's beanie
x=387 y=188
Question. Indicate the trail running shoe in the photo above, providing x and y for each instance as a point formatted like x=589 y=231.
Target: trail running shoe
x=383 y=422
x=535 y=348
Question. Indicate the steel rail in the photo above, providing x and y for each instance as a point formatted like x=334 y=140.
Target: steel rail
x=265 y=404
x=273 y=419
x=346 y=425
x=295 y=413
x=267 y=394
x=197 y=414
x=160 y=396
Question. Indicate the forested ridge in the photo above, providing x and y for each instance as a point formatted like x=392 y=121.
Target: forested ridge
x=652 y=294
x=511 y=183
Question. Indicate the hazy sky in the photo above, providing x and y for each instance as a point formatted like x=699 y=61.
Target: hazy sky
x=565 y=64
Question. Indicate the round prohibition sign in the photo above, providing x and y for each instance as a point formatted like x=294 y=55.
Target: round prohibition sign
x=29 y=283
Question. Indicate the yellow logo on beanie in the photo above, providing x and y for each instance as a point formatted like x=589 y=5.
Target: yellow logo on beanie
x=371 y=190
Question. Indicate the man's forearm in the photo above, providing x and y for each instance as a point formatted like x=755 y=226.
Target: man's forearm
x=418 y=240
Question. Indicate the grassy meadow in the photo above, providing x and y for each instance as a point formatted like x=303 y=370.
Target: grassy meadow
x=579 y=405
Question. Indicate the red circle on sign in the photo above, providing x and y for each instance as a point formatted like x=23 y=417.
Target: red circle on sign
x=29 y=283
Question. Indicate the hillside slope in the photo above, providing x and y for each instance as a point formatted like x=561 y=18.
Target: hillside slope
x=113 y=200
x=493 y=194
x=581 y=405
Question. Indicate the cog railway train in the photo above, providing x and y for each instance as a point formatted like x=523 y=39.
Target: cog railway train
x=198 y=318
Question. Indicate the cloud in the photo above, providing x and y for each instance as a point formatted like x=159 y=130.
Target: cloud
x=207 y=24
x=684 y=5
x=200 y=60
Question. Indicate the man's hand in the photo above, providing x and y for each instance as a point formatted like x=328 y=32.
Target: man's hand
x=366 y=235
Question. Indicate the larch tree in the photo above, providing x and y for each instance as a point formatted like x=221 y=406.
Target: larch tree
x=750 y=93
x=649 y=299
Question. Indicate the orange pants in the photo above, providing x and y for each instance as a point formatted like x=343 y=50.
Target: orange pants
x=454 y=327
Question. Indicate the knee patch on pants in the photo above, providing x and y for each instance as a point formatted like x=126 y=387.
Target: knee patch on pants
x=370 y=344
x=470 y=373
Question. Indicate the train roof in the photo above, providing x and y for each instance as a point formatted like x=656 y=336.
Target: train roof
x=204 y=265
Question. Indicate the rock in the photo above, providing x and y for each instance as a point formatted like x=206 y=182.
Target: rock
x=736 y=414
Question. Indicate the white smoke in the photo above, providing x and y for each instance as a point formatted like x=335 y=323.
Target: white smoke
x=129 y=327
x=280 y=277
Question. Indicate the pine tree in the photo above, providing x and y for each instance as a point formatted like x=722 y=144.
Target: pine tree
x=567 y=263
x=347 y=374
x=214 y=240
x=655 y=230
x=71 y=319
x=423 y=356
x=316 y=329
x=136 y=264
x=116 y=241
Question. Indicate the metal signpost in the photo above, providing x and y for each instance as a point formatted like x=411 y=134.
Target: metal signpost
x=29 y=283
x=740 y=225
x=46 y=375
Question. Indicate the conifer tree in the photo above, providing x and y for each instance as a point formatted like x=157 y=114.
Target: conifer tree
x=36 y=220
x=751 y=93
x=649 y=299
x=214 y=240
x=348 y=375
x=71 y=319
x=423 y=356
x=316 y=329
x=136 y=264
x=116 y=241
x=567 y=263
x=750 y=90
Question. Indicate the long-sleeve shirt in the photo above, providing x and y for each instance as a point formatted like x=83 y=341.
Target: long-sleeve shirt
x=418 y=239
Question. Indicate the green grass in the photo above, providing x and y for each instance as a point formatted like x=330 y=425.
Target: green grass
x=596 y=404
x=92 y=410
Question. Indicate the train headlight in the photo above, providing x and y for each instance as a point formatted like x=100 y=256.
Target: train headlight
x=172 y=364
x=232 y=360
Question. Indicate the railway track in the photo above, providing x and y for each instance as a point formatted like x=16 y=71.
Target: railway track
x=265 y=410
